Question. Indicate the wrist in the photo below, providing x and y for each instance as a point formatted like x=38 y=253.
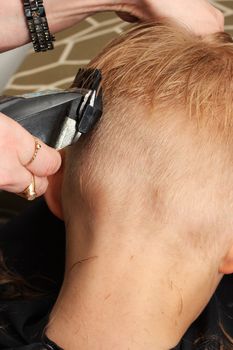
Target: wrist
x=14 y=31
x=60 y=15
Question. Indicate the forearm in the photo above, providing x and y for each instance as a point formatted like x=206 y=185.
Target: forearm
x=60 y=14
x=198 y=15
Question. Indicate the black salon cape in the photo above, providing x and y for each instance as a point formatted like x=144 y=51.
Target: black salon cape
x=33 y=246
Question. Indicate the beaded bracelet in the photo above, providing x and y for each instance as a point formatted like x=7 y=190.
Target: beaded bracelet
x=38 y=27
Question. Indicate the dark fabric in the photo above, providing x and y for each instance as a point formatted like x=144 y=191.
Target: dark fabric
x=205 y=333
x=34 y=246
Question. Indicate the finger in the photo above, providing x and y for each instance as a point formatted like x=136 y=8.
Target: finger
x=14 y=177
x=41 y=161
x=18 y=180
x=47 y=161
x=41 y=185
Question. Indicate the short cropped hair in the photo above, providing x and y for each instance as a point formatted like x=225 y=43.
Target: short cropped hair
x=167 y=127
x=167 y=66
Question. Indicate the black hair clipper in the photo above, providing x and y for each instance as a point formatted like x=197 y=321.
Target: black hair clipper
x=59 y=118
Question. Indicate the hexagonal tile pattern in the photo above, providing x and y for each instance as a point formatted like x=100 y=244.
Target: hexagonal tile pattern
x=74 y=48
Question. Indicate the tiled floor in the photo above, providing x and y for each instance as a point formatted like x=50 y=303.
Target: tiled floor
x=74 y=48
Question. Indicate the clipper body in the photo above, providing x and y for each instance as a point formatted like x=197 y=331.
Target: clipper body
x=59 y=118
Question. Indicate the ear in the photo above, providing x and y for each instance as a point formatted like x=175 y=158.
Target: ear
x=53 y=193
x=226 y=266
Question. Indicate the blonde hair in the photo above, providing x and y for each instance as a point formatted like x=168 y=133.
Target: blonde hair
x=161 y=84
x=167 y=66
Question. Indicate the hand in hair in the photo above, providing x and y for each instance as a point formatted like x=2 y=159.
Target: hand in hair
x=198 y=15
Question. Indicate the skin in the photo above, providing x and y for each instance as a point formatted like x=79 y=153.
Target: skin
x=198 y=15
x=123 y=271
x=15 y=174
x=130 y=286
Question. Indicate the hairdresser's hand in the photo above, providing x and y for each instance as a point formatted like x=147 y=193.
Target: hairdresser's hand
x=198 y=15
x=17 y=147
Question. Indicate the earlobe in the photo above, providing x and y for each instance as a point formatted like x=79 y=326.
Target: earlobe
x=53 y=197
x=53 y=193
x=226 y=266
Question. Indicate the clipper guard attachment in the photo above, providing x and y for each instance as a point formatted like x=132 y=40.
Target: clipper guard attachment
x=92 y=108
x=82 y=118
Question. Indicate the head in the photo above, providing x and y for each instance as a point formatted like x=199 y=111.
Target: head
x=162 y=156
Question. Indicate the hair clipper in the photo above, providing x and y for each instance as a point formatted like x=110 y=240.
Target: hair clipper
x=59 y=118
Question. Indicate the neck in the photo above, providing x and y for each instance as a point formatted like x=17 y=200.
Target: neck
x=124 y=289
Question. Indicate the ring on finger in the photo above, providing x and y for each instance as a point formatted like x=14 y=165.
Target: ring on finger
x=37 y=148
x=30 y=191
